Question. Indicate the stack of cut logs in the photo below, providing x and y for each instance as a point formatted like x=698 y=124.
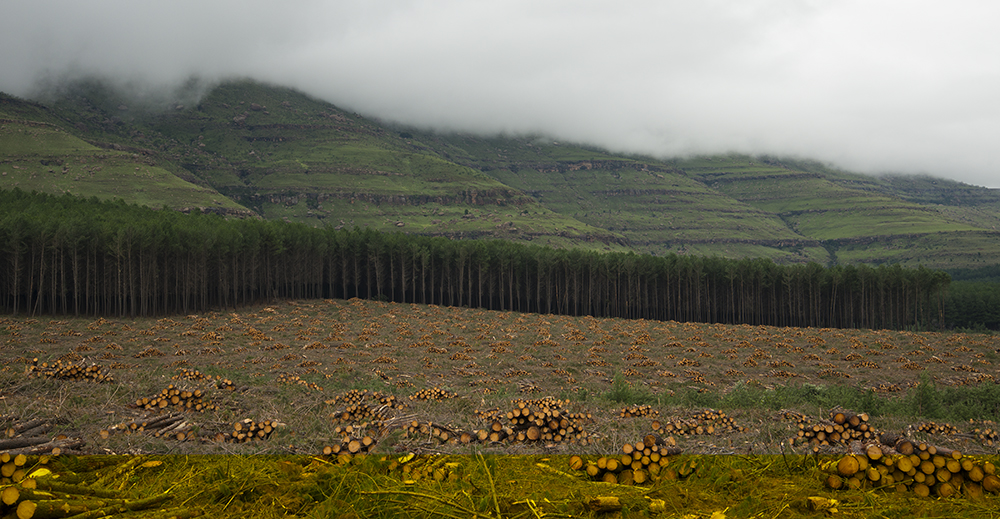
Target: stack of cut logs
x=356 y=396
x=639 y=463
x=842 y=428
x=357 y=408
x=637 y=411
x=350 y=445
x=359 y=413
x=197 y=376
x=534 y=420
x=12 y=469
x=69 y=371
x=937 y=429
x=36 y=491
x=433 y=393
x=31 y=438
x=988 y=433
x=287 y=378
x=705 y=422
x=168 y=426
x=896 y=463
x=176 y=397
x=246 y=430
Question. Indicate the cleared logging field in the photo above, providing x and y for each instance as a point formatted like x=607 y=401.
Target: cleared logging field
x=316 y=374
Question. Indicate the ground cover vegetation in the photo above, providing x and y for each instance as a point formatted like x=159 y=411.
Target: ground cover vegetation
x=305 y=382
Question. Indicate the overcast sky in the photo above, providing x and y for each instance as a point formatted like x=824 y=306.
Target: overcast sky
x=906 y=86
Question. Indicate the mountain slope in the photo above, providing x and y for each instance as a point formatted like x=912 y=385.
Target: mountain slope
x=42 y=156
x=249 y=147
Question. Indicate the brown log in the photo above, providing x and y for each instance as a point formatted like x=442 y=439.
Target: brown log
x=50 y=446
x=873 y=451
x=16 y=443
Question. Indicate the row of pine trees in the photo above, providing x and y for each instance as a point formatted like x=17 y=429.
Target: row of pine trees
x=70 y=256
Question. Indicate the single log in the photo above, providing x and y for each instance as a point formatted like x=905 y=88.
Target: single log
x=67 y=488
x=17 y=443
x=54 y=446
x=30 y=424
x=848 y=466
x=9 y=495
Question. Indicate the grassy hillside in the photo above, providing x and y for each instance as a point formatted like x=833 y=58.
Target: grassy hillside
x=862 y=219
x=652 y=203
x=40 y=156
x=246 y=146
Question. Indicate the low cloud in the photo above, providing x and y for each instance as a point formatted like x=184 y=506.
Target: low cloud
x=873 y=86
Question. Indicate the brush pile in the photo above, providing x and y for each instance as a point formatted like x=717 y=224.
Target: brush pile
x=62 y=370
x=637 y=464
x=899 y=464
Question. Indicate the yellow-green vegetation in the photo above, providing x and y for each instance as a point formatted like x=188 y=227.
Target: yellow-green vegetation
x=465 y=486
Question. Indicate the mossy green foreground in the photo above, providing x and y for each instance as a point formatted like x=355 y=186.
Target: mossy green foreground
x=459 y=486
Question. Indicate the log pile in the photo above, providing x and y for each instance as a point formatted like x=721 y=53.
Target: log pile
x=167 y=426
x=987 y=433
x=36 y=491
x=63 y=370
x=534 y=420
x=196 y=376
x=898 y=464
x=351 y=446
x=635 y=411
x=641 y=463
x=842 y=428
x=247 y=430
x=937 y=429
x=433 y=393
x=172 y=396
x=360 y=414
x=704 y=423
x=32 y=438
x=287 y=378
x=357 y=397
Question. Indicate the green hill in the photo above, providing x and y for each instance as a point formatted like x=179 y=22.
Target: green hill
x=247 y=148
